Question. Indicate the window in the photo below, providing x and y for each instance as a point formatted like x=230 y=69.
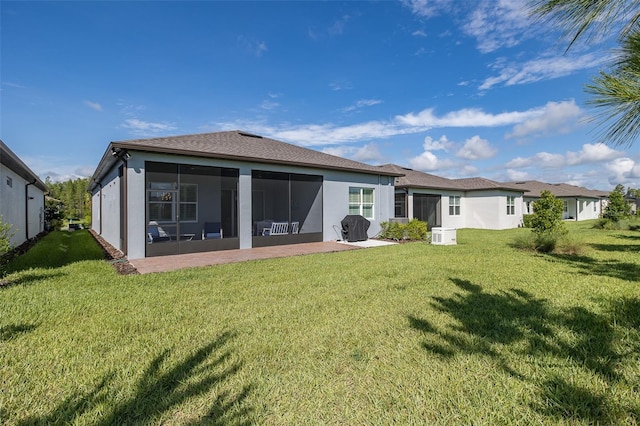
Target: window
x=401 y=204
x=188 y=202
x=566 y=206
x=511 y=205
x=361 y=202
x=454 y=205
x=163 y=198
x=9 y=182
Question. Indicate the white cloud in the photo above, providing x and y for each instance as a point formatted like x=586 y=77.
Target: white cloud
x=340 y=85
x=419 y=33
x=553 y=118
x=146 y=128
x=427 y=161
x=545 y=160
x=544 y=68
x=369 y=153
x=592 y=153
x=361 y=104
x=517 y=175
x=467 y=117
x=431 y=144
x=476 y=148
x=93 y=105
x=269 y=105
x=255 y=47
x=427 y=8
x=498 y=23
x=624 y=171
x=338 y=25
x=411 y=123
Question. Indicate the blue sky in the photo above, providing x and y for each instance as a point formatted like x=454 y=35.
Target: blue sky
x=453 y=88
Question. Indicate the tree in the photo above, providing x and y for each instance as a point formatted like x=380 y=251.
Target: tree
x=617 y=208
x=615 y=94
x=546 y=221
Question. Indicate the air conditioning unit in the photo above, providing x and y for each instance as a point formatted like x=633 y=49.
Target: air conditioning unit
x=443 y=236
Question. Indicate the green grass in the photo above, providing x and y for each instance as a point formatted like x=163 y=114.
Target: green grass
x=477 y=333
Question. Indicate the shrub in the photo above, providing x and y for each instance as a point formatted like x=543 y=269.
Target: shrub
x=546 y=220
x=527 y=220
x=617 y=208
x=414 y=230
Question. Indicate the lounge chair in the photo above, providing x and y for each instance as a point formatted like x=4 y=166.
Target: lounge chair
x=156 y=234
x=212 y=230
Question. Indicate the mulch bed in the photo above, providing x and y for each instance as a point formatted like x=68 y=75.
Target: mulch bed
x=114 y=256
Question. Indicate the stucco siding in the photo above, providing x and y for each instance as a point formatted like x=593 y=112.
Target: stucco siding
x=108 y=226
x=13 y=206
x=334 y=197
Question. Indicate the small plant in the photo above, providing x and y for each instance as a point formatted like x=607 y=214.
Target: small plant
x=546 y=222
x=414 y=230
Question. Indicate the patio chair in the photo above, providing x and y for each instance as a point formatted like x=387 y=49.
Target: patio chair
x=295 y=227
x=277 y=228
x=212 y=230
x=156 y=234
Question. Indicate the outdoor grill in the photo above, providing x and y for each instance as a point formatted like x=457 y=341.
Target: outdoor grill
x=354 y=228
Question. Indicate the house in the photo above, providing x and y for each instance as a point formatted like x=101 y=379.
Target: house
x=229 y=190
x=456 y=203
x=22 y=196
x=579 y=203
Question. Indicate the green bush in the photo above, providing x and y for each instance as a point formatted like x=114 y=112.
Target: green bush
x=414 y=230
x=617 y=208
x=527 y=221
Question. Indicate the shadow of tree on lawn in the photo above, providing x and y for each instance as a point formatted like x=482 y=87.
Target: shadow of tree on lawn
x=514 y=322
x=10 y=331
x=612 y=268
x=160 y=390
x=29 y=278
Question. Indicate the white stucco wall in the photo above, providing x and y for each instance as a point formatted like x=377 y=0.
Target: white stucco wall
x=13 y=206
x=335 y=198
x=108 y=226
x=488 y=210
x=577 y=208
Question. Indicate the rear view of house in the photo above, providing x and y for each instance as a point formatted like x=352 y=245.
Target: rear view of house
x=229 y=190
x=456 y=203
x=21 y=197
x=579 y=203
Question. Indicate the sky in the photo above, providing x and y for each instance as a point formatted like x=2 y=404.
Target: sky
x=455 y=88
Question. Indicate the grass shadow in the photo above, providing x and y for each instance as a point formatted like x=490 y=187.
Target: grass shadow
x=29 y=278
x=160 y=389
x=514 y=322
x=589 y=266
x=10 y=331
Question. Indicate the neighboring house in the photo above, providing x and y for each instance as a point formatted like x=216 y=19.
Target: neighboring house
x=634 y=203
x=22 y=196
x=579 y=203
x=456 y=203
x=229 y=190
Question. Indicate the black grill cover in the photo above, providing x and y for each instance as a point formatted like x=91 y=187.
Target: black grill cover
x=354 y=228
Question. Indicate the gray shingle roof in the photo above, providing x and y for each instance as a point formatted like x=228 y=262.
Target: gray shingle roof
x=237 y=145
x=416 y=179
x=479 y=183
x=558 y=189
x=240 y=145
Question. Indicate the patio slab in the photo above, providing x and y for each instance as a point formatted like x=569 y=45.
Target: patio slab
x=179 y=261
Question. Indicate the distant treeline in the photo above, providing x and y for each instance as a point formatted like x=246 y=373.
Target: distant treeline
x=68 y=200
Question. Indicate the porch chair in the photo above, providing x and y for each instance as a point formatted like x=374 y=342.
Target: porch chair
x=295 y=227
x=212 y=230
x=277 y=228
x=155 y=233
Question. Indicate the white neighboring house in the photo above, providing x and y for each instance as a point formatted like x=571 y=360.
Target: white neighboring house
x=456 y=203
x=579 y=203
x=22 y=196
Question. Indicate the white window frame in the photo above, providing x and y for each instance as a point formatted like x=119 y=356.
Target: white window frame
x=511 y=205
x=360 y=204
x=454 y=205
x=169 y=189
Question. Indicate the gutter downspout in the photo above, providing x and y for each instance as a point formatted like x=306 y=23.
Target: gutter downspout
x=26 y=208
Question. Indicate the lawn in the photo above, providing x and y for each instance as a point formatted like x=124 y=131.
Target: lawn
x=477 y=333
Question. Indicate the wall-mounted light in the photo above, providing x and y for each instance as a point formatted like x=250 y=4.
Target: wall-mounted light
x=121 y=154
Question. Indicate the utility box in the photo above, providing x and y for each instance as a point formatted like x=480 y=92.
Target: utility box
x=443 y=236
